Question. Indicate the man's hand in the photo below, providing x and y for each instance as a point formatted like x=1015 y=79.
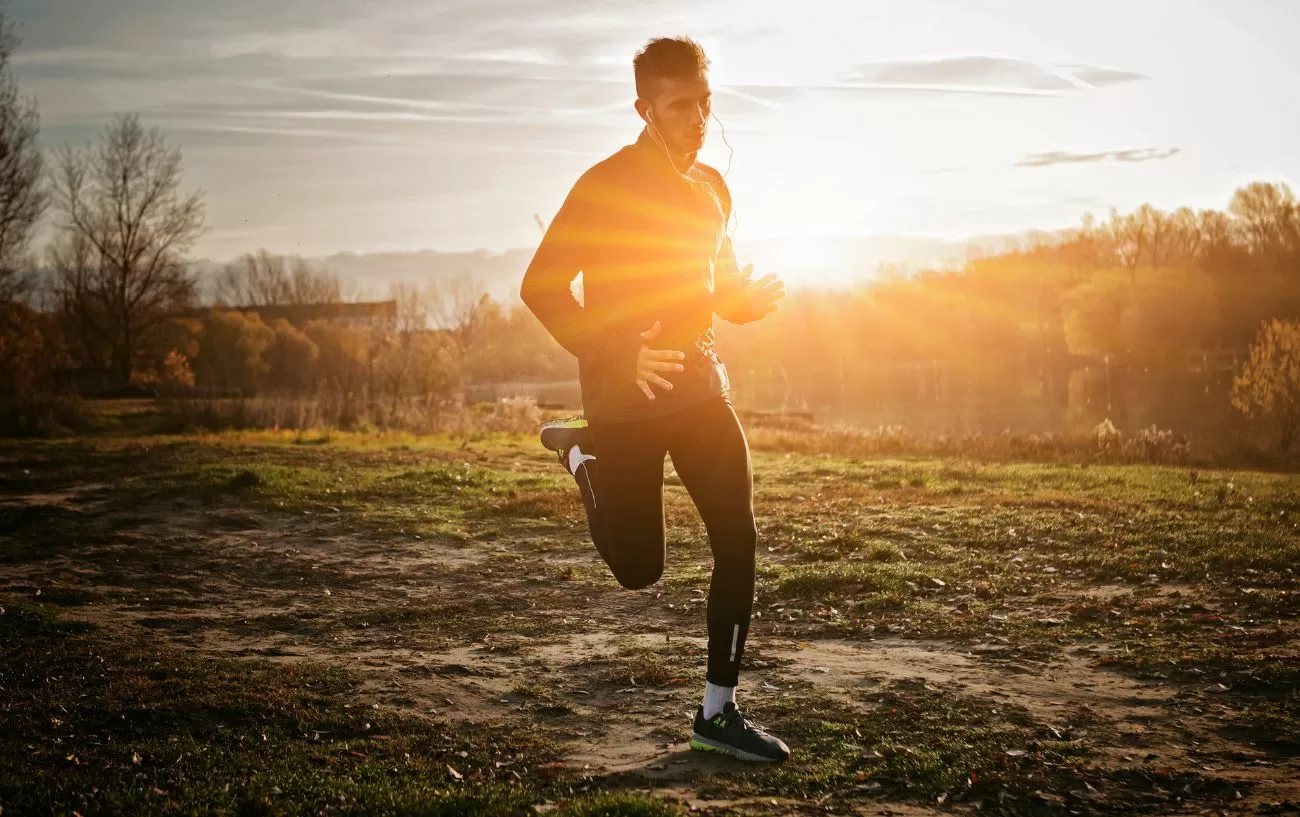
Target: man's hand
x=650 y=362
x=764 y=294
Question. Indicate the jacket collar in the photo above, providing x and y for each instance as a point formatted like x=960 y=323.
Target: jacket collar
x=656 y=156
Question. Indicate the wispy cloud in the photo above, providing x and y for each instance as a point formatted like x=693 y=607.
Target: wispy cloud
x=315 y=133
x=1061 y=157
x=983 y=74
x=438 y=105
x=746 y=96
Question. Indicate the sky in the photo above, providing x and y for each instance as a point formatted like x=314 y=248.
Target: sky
x=320 y=126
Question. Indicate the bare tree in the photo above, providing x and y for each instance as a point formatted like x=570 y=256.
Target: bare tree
x=125 y=230
x=1186 y=238
x=1127 y=235
x=1267 y=216
x=412 y=306
x=22 y=201
x=451 y=302
x=1156 y=226
x=264 y=279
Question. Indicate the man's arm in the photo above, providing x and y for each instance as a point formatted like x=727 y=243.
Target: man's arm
x=730 y=283
x=736 y=296
x=567 y=247
x=730 y=287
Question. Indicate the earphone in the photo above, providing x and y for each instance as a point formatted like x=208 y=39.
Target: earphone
x=728 y=229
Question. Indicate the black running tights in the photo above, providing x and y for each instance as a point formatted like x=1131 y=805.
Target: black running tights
x=624 y=494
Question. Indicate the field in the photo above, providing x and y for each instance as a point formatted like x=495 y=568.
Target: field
x=264 y=623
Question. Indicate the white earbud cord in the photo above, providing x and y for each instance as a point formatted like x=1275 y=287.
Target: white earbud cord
x=729 y=229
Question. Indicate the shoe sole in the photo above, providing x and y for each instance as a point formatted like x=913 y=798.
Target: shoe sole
x=549 y=441
x=703 y=744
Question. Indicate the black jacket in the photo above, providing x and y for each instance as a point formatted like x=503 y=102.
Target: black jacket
x=651 y=246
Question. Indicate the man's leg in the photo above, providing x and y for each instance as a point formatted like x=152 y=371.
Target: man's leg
x=619 y=469
x=570 y=439
x=711 y=456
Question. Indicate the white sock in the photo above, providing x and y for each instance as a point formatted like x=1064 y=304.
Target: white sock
x=716 y=698
x=577 y=458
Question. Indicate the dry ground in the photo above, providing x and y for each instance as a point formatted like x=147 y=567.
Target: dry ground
x=261 y=624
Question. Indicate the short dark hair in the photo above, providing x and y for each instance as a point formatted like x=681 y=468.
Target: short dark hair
x=667 y=58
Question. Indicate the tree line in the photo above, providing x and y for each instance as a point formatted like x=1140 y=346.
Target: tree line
x=1182 y=318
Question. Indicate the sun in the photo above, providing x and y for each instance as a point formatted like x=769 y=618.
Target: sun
x=803 y=261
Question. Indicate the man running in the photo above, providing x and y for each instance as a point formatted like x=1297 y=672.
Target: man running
x=647 y=228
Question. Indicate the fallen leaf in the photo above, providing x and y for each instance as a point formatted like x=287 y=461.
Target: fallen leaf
x=455 y=774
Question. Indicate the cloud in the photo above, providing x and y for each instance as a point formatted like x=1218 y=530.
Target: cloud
x=1097 y=76
x=1061 y=157
x=349 y=136
x=983 y=73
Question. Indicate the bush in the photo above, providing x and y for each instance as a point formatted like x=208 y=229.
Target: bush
x=1268 y=385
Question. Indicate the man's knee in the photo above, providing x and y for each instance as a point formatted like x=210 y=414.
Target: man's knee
x=636 y=575
x=734 y=540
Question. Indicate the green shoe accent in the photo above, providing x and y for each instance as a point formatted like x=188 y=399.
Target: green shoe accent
x=577 y=421
x=701 y=746
x=561 y=435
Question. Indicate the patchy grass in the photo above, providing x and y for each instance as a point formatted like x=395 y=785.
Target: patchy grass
x=128 y=728
x=1251 y=690
x=350 y=559
x=913 y=741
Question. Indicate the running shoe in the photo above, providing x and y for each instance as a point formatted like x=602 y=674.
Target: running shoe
x=729 y=732
x=562 y=434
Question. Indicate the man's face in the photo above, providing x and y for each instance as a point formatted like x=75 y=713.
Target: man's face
x=680 y=111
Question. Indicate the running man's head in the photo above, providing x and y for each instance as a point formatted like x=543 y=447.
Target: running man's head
x=672 y=88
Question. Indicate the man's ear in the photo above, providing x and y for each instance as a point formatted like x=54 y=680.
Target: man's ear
x=643 y=110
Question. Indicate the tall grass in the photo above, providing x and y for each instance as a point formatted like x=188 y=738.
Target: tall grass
x=1103 y=445
x=351 y=413
x=772 y=433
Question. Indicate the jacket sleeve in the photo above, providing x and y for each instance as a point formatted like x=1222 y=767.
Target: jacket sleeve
x=729 y=282
x=569 y=245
